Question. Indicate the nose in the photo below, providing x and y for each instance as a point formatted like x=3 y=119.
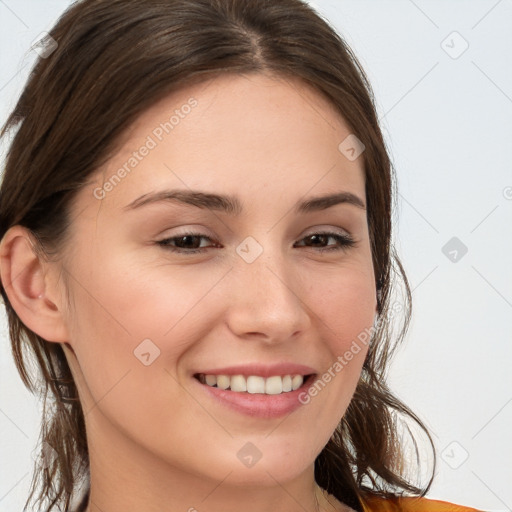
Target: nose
x=267 y=302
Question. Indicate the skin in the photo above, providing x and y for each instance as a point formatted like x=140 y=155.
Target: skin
x=156 y=442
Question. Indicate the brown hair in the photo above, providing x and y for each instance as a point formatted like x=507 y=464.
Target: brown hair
x=114 y=59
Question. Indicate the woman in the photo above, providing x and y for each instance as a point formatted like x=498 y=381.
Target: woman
x=196 y=222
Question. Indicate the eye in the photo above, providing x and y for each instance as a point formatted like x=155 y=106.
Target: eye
x=190 y=243
x=186 y=243
x=344 y=241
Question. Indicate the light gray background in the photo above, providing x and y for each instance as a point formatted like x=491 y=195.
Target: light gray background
x=447 y=117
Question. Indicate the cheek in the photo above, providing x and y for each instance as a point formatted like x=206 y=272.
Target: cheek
x=133 y=321
x=131 y=314
x=124 y=303
x=345 y=312
x=345 y=302
x=126 y=364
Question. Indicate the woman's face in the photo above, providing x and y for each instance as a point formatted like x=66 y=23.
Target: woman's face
x=248 y=293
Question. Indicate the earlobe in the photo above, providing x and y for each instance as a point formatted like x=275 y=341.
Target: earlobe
x=25 y=277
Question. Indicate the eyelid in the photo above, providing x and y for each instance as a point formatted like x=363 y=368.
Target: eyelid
x=204 y=232
x=327 y=229
x=189 y=229
x=344 y=241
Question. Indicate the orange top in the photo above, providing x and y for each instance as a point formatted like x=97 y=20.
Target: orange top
x=375 y=504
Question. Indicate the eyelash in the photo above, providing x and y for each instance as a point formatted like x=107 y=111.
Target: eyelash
x=345 y=241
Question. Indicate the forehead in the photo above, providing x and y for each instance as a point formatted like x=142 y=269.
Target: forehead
x=237 y=134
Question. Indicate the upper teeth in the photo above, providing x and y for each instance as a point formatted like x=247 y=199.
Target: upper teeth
x=254 y=383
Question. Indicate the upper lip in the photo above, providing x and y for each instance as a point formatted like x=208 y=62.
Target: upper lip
x=262 y=370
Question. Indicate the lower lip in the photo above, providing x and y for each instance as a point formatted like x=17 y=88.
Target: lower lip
x=258 y=404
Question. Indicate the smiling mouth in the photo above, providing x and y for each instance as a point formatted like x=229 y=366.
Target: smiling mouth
x=255 y=384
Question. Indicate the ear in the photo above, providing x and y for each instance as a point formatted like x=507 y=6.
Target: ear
x=27 y=280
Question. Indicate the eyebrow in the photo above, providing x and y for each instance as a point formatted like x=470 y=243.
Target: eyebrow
x=233 y=206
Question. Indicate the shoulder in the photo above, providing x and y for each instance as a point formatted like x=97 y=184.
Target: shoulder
x=377 y=504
